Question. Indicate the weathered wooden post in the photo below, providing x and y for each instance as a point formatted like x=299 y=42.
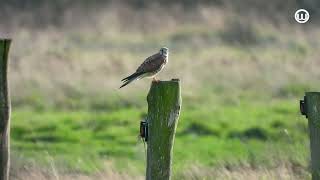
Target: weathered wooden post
x=164 y=102
x=4 y=111
x=310 y=107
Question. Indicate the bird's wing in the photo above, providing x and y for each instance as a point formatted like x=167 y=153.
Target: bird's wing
x=152 y=64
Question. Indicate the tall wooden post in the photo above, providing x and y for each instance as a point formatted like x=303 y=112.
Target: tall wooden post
x=4 y=111
x=310 y=107
x=164 y=102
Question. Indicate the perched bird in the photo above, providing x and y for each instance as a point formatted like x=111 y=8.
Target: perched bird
x=150 y=67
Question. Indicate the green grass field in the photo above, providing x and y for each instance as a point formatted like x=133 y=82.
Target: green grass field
x=258 y=134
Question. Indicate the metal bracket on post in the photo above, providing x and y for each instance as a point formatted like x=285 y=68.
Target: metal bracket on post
x=303 y=108
x=144 y=130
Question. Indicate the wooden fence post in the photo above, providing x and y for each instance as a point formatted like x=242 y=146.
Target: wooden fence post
x=164 y=102
x=310 y=107
x=4 y=111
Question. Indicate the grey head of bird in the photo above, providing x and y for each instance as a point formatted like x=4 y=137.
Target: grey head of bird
x=164 y=51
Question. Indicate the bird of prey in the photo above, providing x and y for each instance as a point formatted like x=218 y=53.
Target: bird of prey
x=150 y=67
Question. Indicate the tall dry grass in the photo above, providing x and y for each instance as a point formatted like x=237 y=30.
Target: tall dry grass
x=36 y=173
x=283 y=172
x=195 y=172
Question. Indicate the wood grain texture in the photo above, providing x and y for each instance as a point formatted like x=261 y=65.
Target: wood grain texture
x=164 y=104
x=4 y=111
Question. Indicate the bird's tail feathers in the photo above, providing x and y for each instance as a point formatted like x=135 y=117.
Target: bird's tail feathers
x=126 y=83
x=130 y=78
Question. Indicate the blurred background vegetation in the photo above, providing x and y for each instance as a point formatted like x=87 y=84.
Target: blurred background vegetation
x=243 y=66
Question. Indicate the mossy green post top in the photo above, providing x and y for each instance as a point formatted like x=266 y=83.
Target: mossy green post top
x=310 y=107
x=164 y=105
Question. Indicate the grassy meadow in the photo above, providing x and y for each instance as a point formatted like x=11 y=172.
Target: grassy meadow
x=242 y=77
